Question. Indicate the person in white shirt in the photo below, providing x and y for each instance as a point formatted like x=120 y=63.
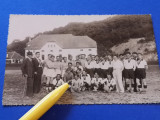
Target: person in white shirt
x=64 y=66
x=88 y=67
x=59 y=80
x=78 y=66
x=141 y=72
x=70 y=60
x=92 y=66
x=104 y=85
x=97 y=67
x=129 y=66
x=111 y=83
x=109 y=62
x=135 y=56
x=58 y=66
x=76 y=83
x=95 y=82
x=86 y=80
x=51 y=73
x=117 y=73
x=83 y=60
x=104 y=68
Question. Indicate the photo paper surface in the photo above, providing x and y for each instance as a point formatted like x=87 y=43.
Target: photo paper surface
x=106 y=59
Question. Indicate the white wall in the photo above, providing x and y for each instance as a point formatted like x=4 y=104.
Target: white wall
x=53 y=48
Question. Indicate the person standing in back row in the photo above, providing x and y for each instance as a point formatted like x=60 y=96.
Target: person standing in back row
x=28 y=72
x=37 y=64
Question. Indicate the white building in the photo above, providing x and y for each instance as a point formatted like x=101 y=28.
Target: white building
x=62 y=44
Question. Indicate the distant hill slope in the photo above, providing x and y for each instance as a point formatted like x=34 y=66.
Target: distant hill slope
x=140 y=45
x=109 y=32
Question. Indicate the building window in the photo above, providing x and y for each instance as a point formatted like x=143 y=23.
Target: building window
x=81 y=49
x=43 y=57
x=89 y=49
x=42 y=50
x=51 y=50
x=60 y=50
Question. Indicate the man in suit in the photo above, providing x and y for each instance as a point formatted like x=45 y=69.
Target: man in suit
x=37 y=66
x=28 y=72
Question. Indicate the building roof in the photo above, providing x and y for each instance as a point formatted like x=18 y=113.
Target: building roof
x=14 y=55
x=65 y=41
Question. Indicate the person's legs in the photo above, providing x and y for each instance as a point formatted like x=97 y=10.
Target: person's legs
x=116 y=79
x=29 y=89
x=144 y=84
x=47 y=83
x=120 y=83
x=37 y=81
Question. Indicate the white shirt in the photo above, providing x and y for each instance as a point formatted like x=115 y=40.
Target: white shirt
x=87 y=79
x=93 y=63
x=129 y=64
x=96 y=81
x=97 y=65
x=104 y=65
x=88 y=65
x=54 y=82
x=80 y=67
x=110 y=65
x=60 y=82
x=118 y=65
x=64 y=65
x=142 y=64
x=103 y=81
x=76 y=83
x=111 y=82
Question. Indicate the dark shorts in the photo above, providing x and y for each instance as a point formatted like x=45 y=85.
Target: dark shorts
x=97 y=70
x=110 y=71
x=104 y=73
x=90 y=72
x=129 y=74
x=123 y=73
x=140 y=73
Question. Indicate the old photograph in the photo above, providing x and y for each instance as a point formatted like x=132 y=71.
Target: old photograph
x=106 y=59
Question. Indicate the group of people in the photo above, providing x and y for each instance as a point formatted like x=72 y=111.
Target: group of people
x=120 y=73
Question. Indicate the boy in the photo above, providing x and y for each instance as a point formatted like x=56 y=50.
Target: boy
x=86 y=80
x=141 y=72
x=68 y=75
x=76 y=84
x=111 y=83
x=129 y=65
x=95 y=82
x=59 y=80
x=78 y=66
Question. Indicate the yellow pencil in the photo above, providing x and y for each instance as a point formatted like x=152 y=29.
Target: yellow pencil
x=45 y=104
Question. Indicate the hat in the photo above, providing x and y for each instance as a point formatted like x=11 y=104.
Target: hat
x=29 y=53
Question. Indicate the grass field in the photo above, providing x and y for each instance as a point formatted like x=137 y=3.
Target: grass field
x=13 y=93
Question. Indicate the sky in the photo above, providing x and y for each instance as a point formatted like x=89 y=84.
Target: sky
x=22 y=26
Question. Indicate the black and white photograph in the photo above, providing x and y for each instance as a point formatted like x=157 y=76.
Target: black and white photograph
x=105 y=59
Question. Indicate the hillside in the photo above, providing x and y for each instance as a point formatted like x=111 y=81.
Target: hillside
x=109 y=32
x=138 y=45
